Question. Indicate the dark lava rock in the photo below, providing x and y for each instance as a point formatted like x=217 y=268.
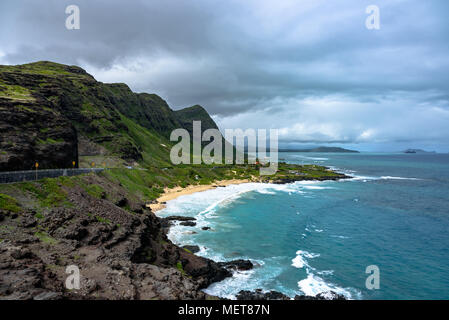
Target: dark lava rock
x=180 y=218
x=258 y=294
x=121 y=202
x=77 y=234
x=205 y=228
x=330 y=295
x=29 y=222
x=20 y=254
x=239 y=264
x=188 y=223
x=193 y=249
x=185 y=221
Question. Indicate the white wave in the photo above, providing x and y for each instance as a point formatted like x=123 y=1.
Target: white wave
x=370 y=178
x=397 y=178
x=317 y=187
x=265 y=191
x=249 y=280
x=307 y=182
x=340 y=237
x=318 y=230
x=364 y=178
x=313 y=285
x=311 y=158
x=229 y=286
x=300 y=260
x=326 y=272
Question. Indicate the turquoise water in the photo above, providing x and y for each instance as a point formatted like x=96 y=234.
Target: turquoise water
x=310 y=237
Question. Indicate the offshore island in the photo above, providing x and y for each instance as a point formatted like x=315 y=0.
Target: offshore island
x=55 y=116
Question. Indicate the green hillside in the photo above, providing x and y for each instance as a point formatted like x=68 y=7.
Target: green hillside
x=102 y=123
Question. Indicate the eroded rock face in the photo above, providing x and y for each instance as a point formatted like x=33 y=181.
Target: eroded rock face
x=32 y=132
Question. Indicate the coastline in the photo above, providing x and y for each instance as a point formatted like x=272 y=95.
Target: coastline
x=256 y=294
x=173 y=193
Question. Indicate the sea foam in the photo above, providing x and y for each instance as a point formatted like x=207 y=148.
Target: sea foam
x=300 y=260
x=313 y=285
x=203 y=205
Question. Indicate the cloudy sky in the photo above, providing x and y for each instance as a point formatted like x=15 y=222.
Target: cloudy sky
x=307 y=67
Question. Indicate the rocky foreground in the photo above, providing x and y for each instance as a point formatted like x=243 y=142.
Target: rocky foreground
x=118 y=245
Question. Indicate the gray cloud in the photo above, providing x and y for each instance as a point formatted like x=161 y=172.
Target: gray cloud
x=310 y=68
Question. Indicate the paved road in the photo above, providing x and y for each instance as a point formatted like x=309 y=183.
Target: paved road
x=30 y=175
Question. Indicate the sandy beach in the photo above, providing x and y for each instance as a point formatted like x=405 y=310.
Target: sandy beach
x=173 y=193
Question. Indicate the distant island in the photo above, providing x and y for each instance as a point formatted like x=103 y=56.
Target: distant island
x=320 y=149
x=417 y=151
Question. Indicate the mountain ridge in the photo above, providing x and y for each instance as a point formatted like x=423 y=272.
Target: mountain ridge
x=46 y=106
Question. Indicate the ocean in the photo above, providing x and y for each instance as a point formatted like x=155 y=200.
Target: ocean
x=311 y=237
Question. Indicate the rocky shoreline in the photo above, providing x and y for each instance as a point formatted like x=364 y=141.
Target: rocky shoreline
x=118 y=244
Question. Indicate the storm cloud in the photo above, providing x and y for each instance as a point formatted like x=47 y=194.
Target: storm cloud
x=310 y=68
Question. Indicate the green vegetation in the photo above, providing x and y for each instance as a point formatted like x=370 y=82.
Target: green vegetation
x=14 y=92
x=94 y=190
x=180 y=268
x=45 y=238
x=49 y=141
x=103 y=220
x=8 y=203
x=41 y=67
x=48 y=192
x=39 y=216
x=303 y=172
